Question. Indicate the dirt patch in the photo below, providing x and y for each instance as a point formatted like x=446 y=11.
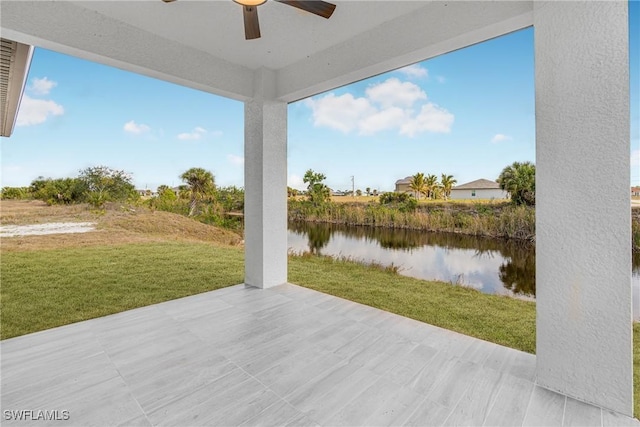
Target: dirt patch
x=117 y=224
x=48 y=228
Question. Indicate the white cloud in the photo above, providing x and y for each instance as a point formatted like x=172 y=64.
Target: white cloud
x=386 y=106
x=390 y=118
x=432 y=118
x=196 y=134
x=342 y=112
x=415 y=70
x=42 y=86
x=136 y=128
x=36 y=111
x=394 y=93
x=235 y=160
x=635 y=158
x=295 y=181
x=499 y=137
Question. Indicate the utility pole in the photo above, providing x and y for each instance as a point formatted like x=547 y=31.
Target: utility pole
x=353 y=186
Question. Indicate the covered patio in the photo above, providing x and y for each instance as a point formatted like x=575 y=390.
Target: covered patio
x=286 y=355
x=272 y=353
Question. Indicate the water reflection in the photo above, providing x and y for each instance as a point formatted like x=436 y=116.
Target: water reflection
x=491 y=266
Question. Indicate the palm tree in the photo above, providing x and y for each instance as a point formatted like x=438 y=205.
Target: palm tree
x=447 y=182
x=519 y=180
x=430 y=182
x=201 y=183
x=417 y=184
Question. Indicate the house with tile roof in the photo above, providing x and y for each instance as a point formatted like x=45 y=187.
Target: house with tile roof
x=404 y=185
x=478 y=189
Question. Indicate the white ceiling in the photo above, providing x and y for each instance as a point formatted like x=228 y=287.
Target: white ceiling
x=200 y=43
x=288 y=34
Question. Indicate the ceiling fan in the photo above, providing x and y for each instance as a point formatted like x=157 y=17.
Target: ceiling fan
x=250 y=11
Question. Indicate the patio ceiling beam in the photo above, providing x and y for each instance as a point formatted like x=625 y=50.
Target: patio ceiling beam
x=437 y=28
x=74 y=30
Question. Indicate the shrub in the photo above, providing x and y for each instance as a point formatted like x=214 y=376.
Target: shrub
x=404 y=202
x=15 y=193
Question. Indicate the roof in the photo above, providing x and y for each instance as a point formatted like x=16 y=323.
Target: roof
x=406 y=180
x=478 y=184
x=15 y=59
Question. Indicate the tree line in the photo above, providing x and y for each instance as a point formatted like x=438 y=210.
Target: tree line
x=198 y=197
x=517 y=179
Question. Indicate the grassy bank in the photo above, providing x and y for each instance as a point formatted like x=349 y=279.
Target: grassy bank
x=42 y=289
x=492 y=220
x=46 y=288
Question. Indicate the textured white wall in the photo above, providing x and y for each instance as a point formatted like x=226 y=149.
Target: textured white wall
x=583 y=253
x=265 y=180
x=480 y=194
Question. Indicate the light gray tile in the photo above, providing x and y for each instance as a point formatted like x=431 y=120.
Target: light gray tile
x=451 y=386
x=522 y=365
x=141 y=421
x=281 y=356
x=427 y=377
x=395 y=410
x=408 y=366
x=185 y=408
x=478 y=352
x=322 y=407
x=365 y=404
x=278 y=414
x=546 y=408
x=511 y=402
x=428 y=413
x=473 y=407
x=582 y=414
x=241 y=410
x=612 y=419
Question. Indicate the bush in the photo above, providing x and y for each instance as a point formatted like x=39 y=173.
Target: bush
x=59 y=191
x=404 y=202
x=15 y=193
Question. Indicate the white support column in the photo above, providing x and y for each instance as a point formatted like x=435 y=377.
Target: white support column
x=265 y=180
x=583 y=248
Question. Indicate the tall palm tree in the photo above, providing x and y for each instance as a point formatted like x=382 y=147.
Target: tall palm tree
x=201 y=184
x=417 y=184
x=447 y=182
x=431 y=182
x=519 y=180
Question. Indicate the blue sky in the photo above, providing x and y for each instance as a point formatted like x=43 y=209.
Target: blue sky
x=468 y=113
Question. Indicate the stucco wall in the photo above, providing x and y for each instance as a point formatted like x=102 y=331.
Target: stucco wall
x=479 y=194
x=583 y=224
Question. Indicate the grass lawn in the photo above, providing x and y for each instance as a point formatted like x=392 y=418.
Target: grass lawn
x=47 y=288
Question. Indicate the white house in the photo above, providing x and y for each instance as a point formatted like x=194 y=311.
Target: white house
x=478 y=189
x=583 y=255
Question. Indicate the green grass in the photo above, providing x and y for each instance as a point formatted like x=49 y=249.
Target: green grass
x=502 y=320
x=48 y=288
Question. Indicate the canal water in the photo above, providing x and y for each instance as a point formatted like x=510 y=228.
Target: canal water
x=492 y=266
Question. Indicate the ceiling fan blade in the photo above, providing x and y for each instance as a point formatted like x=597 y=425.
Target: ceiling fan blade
x=168 y=1
x=320 y=8
x=251 y=24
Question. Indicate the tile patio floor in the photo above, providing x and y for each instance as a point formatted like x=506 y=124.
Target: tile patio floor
x=282 y=356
